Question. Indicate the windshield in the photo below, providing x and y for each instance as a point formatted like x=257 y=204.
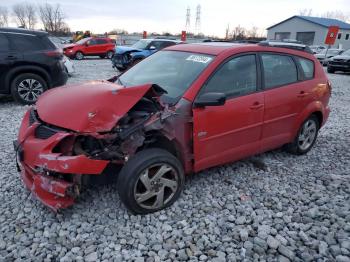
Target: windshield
x=330 y=52
x=141 y=44
x=82 y=41
x=347 y=52
x=174 y=71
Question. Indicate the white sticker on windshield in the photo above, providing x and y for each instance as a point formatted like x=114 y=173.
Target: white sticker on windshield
x=199 y=58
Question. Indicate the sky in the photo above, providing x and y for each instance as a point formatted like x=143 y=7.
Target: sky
x=100 y=16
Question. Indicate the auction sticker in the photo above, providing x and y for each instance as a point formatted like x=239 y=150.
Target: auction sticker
x=199 y=58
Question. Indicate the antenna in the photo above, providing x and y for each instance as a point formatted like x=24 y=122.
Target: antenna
x=188 y=19
x=198 y=20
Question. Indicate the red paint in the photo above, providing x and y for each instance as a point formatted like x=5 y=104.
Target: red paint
x=331 y=35
x=90 y=49
x=183 y=36
x=144 y=34
x=203 y=137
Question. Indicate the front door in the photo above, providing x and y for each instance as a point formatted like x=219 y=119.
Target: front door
x=232 y=131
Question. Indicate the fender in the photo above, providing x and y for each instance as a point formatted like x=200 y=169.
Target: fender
x=26 y=69
x=315 y=106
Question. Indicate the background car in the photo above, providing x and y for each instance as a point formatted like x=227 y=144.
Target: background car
x=339 y=62
x=69 y=66
x=317 y=48
x=126 y=56
x=325 y=55
x=91 y=46
x=29 y=64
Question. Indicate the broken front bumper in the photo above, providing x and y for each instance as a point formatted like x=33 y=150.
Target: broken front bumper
x=52 y=177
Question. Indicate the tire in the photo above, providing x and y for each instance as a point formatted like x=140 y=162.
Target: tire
x=330 y=70
x=109 y=54
x=121 y=69
x=79 y=55
x=27 y=87
x=297 y=147
x=146 y=162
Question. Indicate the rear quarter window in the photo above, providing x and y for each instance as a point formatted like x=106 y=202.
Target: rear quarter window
x=26 y=42
x=307 y=67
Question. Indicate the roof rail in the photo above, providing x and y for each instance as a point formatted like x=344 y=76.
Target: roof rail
x=286 y=44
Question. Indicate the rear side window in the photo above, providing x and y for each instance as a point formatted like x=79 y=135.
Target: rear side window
x=101 y=41
x=237 y=77
x=307 y=66
x=278 y=70
x=26 y=42
x=4 y=43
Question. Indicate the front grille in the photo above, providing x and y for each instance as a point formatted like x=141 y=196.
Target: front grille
x=44 y=132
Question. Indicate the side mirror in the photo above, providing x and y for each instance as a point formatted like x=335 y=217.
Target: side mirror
x=210 y=99
x=152 y=47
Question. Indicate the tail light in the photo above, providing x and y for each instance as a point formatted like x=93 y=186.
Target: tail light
x=55 y=53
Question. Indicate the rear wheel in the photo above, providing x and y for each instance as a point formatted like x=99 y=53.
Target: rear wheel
x=79 y=55
x=150 y=181
x=306 y=137
x=27 y=87
x=109 y=54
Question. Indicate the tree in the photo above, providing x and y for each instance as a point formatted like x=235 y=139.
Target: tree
x=118 y=31
x=336 y=15
x=3 y=16
x=25 y=15
x=52 y=17
x=238 y=33
x=253 y=32
x=305 y=12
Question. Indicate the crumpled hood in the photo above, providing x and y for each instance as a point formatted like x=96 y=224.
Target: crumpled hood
x=94 y=106
x=124 y=49
x=69 y=45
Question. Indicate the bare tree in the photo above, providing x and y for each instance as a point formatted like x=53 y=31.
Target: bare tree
x=253 y=32
x=336 y=15
x=305 y=12
x=52 y=17
x=238 y=33
x=25 y=15
x=3 y=16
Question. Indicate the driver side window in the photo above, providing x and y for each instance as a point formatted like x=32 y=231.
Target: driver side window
x=236 y=77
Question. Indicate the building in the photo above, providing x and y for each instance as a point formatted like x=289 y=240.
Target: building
x=310 y=30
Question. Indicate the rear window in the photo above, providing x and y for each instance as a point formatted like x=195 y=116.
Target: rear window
x=27 y=42
x=307 y=67
x=4 y=43
x=279 y=70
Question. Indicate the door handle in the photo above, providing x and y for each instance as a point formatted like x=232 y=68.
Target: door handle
x=256 y=105
x=11 y=57
x=303 y=94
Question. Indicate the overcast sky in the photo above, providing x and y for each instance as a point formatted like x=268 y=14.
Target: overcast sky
x=160 y=15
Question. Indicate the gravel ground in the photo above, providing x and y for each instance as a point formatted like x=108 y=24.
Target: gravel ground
x=274 y=207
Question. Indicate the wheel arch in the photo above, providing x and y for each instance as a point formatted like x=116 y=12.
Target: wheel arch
x=13 y=73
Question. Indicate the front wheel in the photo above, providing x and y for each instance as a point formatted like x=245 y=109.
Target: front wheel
x=150 y=181
x=79 y=55
x=306 y=137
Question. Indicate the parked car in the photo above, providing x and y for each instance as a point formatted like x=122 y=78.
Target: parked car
x=325 y=55
x=29 y=64
x=339 y=62
x=181 y=110
x=126 y=56
x=69 y=66
x=317 y=48
x=91 y=46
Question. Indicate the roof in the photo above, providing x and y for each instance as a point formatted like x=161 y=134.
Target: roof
x=22 y=31
x=325 y=22
x=210 y=48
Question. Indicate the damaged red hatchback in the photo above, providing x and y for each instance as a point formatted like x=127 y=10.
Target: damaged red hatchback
x=181 y=110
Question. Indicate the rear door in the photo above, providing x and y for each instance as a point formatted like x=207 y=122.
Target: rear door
x=5 y=59
x=92 y=47
x=232 y=131
x=284 y=95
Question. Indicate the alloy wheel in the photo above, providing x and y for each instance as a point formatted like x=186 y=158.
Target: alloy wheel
x=30 y=89
x=307 y=134
x=156 y=186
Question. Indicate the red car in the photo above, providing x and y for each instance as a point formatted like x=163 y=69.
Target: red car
x=181 y=110
x=91 y=46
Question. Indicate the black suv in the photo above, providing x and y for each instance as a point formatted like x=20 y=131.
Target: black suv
x=29 y=64
x=339 y=62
